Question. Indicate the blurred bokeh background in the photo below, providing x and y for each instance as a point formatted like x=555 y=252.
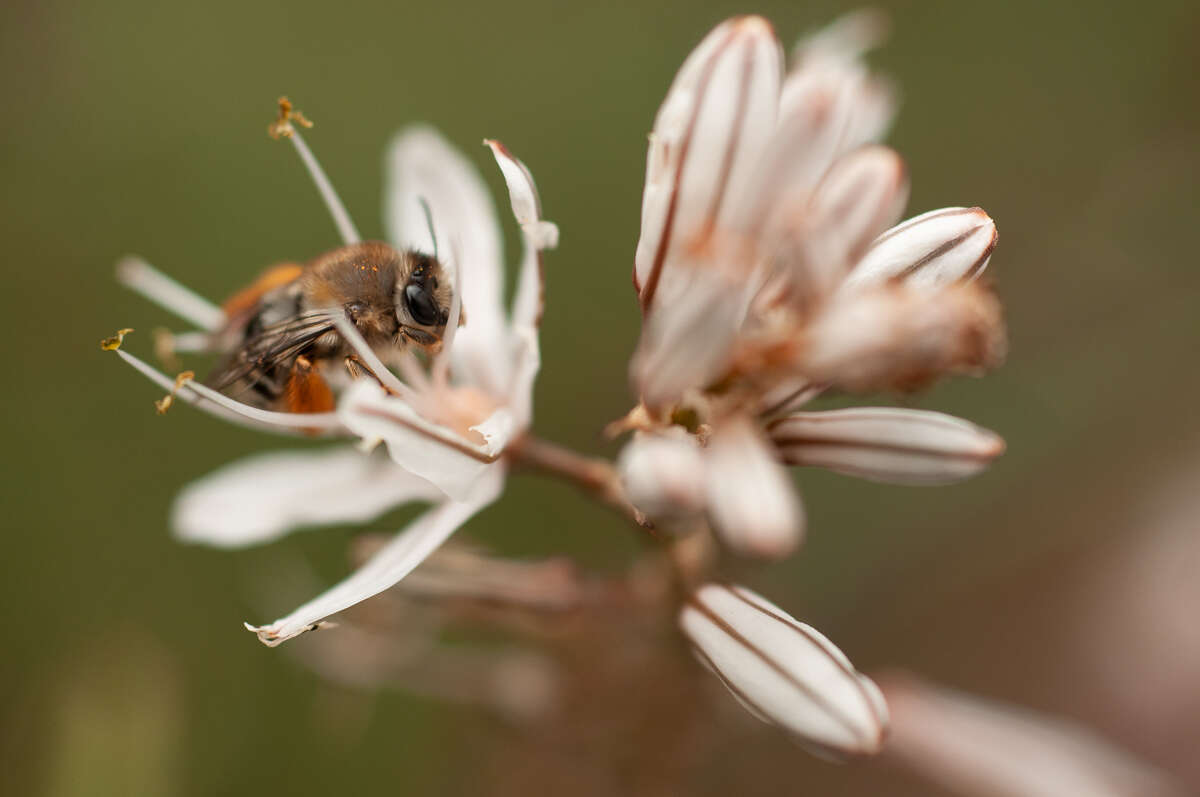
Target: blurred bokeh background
x=1066 y=578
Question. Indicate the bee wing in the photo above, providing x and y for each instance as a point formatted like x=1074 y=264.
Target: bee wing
x=276 y=345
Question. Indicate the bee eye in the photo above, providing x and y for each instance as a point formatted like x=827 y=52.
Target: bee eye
x=421 y=305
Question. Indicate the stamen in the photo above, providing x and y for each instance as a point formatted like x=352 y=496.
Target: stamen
x=371 y=360
x=283 y=127
x=325 y=421
x=208 y=400
x=141 y=277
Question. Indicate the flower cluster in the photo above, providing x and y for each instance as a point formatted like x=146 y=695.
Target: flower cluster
x=768 y=274
x=770 y=269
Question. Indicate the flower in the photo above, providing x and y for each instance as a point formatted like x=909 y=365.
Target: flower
x=445 y=427
x=783 y=671
x=770 y=269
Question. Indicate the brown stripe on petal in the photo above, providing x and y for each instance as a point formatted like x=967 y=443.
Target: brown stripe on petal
x=664 y=242
x=835 y=753
x=736 y=636
x=781 y=404
x=938 y=251
x=978 y=265
x=866 y=413
x=899 y=228
x=731 y=149
x=846 y=669
x=812 y=442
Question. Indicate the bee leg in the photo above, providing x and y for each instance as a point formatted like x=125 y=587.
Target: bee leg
x=355 y=367
x=307 y=390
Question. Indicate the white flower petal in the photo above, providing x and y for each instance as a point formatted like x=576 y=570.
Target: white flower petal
x=527 y=361
x=887 y=444
x=527 y=306
x=663 y=474
x=932 y=249
x=522 y=193
x=708 y=134
x=784 y=671
x=423 y=167
x=829 y=104
x=392 y=563
x=261 y=498
x=974 y=746
x=862 y=195
x=689 y=343
x=751 y=500
x=825 y=111
x=452 y=463
x=846 y=39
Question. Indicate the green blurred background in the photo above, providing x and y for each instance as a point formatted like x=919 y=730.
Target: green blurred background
x=140 y=127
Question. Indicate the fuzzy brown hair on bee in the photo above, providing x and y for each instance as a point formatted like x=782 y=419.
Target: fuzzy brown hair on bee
x=280 y=339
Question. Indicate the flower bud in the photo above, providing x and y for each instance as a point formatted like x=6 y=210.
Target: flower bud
x=863 y=193
x=784 y=671
x=933 y=249
x=663 y=475
x=898 y=338
x=885 y=444
x=717 y=116
x=752 y=503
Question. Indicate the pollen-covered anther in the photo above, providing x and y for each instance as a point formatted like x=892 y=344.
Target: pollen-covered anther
x=113 y=343
x=282 y=126
x=163 y=404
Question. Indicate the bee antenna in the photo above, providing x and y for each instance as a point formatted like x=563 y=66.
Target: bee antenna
x=429 y=222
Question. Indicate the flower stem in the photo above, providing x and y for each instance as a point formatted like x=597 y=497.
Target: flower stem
x=597 y=477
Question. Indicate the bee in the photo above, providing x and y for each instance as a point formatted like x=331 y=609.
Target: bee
x=280 y=341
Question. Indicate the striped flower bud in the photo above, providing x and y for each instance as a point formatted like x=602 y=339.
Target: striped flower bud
x=784 y=671
x=885 y=444
x=933 y=249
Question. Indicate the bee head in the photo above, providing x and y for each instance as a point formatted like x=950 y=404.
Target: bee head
x=423 y=299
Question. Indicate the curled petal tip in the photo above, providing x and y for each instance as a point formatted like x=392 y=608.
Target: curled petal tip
x=265 y=634
x=542 y=234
